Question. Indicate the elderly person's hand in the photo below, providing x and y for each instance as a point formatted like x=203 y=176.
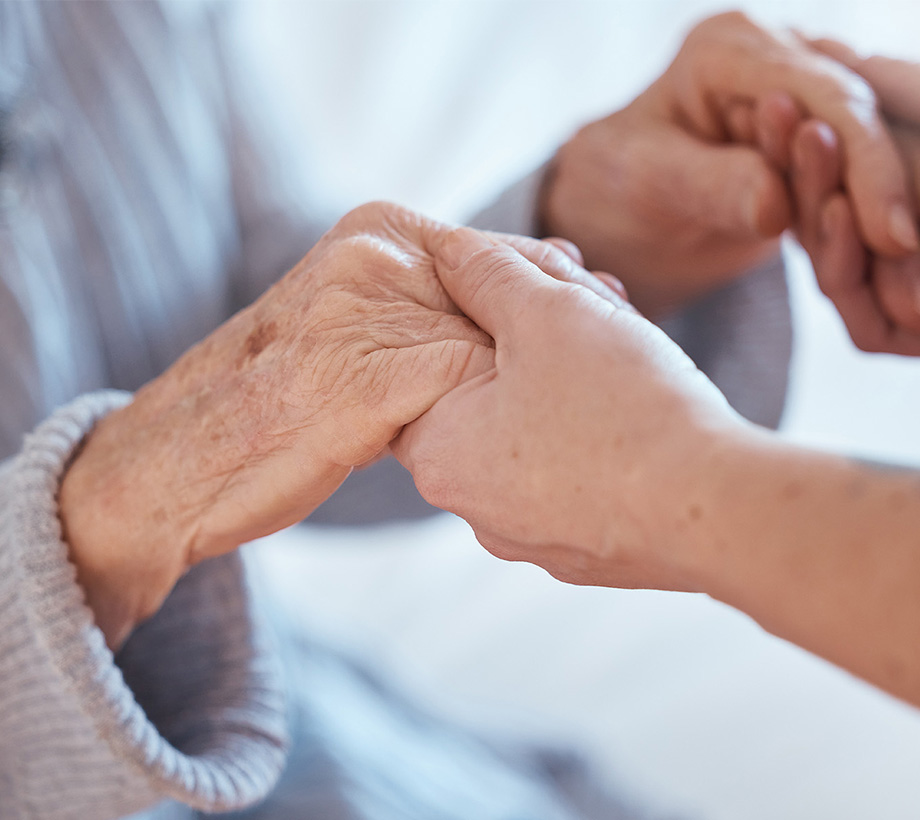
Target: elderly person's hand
x=662 y=195
x=254 y=427
x=877 y=295
x=560 y=453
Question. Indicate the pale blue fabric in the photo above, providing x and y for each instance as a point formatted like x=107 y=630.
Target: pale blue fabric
x=141 y=203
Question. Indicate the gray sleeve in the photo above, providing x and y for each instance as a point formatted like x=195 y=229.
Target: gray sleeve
x=190 y=709
x=739 y=335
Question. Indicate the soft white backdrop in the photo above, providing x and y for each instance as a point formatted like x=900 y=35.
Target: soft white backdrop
x=438 y=105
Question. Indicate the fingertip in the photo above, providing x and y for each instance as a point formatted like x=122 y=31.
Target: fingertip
x=613 y=283
x=770 y=207
x=815 y=142
x=777 y=117
x=836 y=50
x=902 y=228
x=568 y=247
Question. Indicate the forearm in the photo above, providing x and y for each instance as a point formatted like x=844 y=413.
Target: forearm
x=819 y=549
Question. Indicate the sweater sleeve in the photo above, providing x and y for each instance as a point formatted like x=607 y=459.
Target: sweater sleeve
x=739 y=335
x=191 y=708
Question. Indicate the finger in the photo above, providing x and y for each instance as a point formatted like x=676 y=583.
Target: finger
x=842 y=271
x=824 y=88
x=740 y=123
x=815 y=177
x=568 y=247
x=841 y=268
x=556 y=256
x=488 y=280
x=776 y=118
x=417 y=377
x=559 y=264
x=895 y=82
x=897 y=284
x=733 y=188
x=614 y=284
x=845 y=276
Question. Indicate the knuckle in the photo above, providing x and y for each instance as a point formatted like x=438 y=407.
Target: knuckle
x=551 y=258
x=866 y=339
x=377 y=215
x=717 y=24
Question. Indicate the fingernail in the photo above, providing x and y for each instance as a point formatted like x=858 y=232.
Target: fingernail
x=903 y=229
x=460 y=245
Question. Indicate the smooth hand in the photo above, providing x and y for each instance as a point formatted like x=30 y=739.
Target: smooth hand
x=589 y=424
x=664 y=196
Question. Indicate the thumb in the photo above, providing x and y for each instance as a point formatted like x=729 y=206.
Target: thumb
x=732 y=188
x=488 y=281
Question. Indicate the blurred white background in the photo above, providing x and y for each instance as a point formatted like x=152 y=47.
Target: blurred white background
x=439 y=105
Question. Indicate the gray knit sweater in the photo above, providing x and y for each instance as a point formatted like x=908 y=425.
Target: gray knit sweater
x=137 y=211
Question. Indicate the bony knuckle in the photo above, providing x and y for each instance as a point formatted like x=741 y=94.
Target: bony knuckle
x=860 y=95
x=376 y=215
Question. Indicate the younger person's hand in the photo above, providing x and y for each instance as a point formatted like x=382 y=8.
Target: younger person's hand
x=565 y=452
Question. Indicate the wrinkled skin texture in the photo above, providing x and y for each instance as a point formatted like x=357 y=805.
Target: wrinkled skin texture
x=258 y=424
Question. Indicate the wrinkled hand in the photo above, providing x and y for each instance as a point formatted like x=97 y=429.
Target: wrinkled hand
x=661 y=193
x=557 y=454
x=253 y=428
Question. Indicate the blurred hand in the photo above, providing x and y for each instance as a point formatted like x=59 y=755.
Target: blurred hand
x=258 y=424
x=664 y=195
x=562 y=453
x=877 y=295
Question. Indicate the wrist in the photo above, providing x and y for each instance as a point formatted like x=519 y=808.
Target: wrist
x=127 y=547
x=690 y=504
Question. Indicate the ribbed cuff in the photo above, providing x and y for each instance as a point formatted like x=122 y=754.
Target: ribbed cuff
x=218 y=700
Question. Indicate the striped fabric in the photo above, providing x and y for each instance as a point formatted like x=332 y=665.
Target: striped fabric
x=138 y=208
x=137 y=212
x=140 y=204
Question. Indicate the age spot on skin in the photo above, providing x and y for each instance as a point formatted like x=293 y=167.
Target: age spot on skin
x=695 y=512
x=260 y=338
